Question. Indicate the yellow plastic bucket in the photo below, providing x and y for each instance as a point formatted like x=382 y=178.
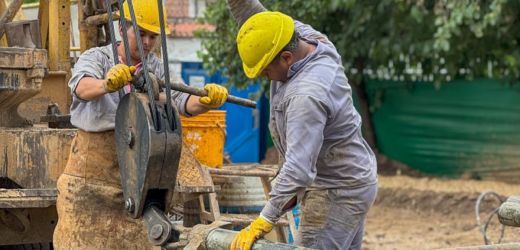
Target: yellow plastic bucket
x=205 y=135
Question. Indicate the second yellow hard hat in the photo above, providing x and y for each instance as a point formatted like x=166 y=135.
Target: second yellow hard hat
x=261 y=38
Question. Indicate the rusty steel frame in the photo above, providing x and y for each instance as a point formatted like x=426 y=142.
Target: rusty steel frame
x=43 y=17
x=27 y=198
x=54 y=89
x=89 y=34
x=9 y=14
x=100 y=19
x=59 y=35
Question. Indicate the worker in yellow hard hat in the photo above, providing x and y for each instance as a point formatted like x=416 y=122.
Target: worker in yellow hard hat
x=327 y=167
x=90 y=201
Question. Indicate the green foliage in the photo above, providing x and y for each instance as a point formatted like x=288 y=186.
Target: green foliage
x=31 y=1
x=433 y=40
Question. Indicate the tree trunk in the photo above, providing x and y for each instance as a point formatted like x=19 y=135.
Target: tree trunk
x=362 y=98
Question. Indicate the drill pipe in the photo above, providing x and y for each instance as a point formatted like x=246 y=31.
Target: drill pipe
x=221 y=239
x=509 y=212
x=508 y=246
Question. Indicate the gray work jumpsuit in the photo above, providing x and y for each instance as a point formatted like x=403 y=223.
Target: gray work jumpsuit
x=326 y=163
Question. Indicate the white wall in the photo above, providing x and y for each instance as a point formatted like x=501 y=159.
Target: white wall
x=182 y=50
x=179 y=49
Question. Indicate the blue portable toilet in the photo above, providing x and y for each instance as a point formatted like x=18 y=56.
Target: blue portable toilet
x=243 y=128
x=242 y=123
x=194 y=74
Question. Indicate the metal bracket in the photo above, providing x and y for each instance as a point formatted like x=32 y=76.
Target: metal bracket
x=55 y=118
x=159 y=228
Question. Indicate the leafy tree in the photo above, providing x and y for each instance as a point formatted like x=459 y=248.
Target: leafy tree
x=404 y=40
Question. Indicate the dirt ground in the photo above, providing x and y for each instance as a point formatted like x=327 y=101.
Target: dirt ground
x=432 y=213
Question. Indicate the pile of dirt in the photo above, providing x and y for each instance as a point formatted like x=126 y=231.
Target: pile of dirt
x=445 y=196
x=433 y=213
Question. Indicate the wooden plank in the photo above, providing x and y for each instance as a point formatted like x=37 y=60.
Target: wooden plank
x=245 y=170
x=267 y=186
x=292 y=223
x=280 y=230
x=213 y=206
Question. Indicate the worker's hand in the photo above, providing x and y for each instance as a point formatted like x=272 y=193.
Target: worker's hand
x=245 y=239
x=117 y=77
x=217 y=96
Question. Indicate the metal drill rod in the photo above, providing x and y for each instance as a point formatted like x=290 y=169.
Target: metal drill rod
x=506 y=246
x=221 y=239
x=213 y=237
x=202 y=92
x=509 y=212
x=169 y=108
x=153 y=107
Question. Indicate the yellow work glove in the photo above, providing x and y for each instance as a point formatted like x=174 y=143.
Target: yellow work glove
x=117 y=77
x=245 y=239
x=217 y=96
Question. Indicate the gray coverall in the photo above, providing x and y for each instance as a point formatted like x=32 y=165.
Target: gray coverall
x=327 y=164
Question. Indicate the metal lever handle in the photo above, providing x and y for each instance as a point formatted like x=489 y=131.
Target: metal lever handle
x=201 y=92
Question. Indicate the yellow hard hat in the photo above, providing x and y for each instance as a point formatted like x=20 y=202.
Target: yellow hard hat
x=261 y=38
x=146 y=15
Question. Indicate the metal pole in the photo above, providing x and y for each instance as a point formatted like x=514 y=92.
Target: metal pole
x=100 y=19
x=202 y=92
